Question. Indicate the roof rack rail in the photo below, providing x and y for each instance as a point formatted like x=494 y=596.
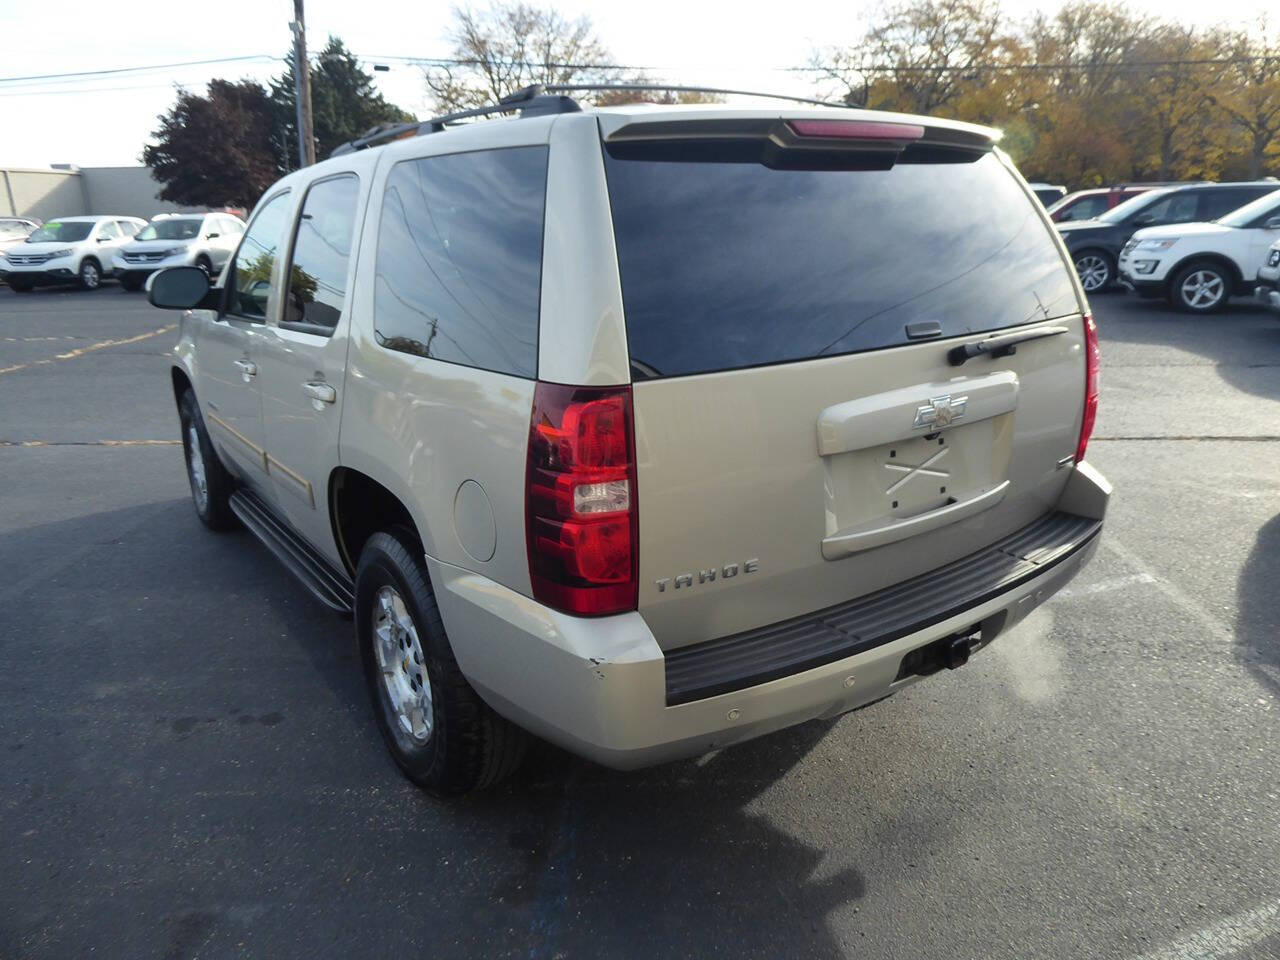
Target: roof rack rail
x=677 y=88
x=528 y=102
x=540 y=100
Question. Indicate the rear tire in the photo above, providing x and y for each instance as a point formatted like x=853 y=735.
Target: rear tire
x=1201 y=287
x=441 y=734
x=211 y=484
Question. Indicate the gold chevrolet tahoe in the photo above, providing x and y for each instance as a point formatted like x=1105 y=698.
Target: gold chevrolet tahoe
x=647 y=429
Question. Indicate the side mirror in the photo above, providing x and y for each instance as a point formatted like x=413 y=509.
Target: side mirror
x=1143 y=220
x=1273 y=223
x=103 y=239
x=181 y=288
x=212 y=236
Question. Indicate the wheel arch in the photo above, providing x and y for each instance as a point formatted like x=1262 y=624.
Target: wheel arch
x=1234 y=273
x=359 y=507
x=181 y=383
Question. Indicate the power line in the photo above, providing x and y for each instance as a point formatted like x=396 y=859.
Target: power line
x=156 y=66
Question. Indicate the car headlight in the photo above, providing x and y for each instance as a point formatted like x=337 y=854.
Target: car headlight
x=61 y=253
x=1155 y=244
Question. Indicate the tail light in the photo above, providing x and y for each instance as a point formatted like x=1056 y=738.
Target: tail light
x=580 y=499
x=857 y=129
x=1093 y=366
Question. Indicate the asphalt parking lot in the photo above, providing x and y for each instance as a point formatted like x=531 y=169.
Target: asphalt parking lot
x=191 y=767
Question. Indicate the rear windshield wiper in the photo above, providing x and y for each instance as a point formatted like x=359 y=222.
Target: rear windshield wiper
x=1001 y=346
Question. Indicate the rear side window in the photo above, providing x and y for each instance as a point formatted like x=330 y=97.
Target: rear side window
x=459 y=262
x=321 y=253
x=1218 y=203
x=729 y=265
x=1086 y=208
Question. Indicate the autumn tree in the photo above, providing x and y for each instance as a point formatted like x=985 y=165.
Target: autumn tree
x=510 y=46
x=1249 y=91
x=216 y=149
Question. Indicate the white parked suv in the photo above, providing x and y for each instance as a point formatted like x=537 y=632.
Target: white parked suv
x=68 y=250
x=1198 y=266
x=203 y=240
x=647 y=429
x=1267 y=290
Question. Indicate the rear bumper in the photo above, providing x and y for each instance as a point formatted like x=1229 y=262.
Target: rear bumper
x=603 y=688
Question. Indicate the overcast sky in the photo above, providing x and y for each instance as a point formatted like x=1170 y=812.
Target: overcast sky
x=104 y=121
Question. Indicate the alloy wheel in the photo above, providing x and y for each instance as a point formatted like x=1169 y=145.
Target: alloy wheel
x=402 y=665
x=1094 y=272
x=195 y=469
x=90 y=276
x=1202 y=289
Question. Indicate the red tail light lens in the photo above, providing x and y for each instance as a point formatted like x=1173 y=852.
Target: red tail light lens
x=580 y=499
x=1093 y=367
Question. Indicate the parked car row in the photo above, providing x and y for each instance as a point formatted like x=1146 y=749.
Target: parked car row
x=85 y=250
x=1196 y=244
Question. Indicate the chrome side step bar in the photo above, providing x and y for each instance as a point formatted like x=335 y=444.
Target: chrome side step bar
x=331 y=587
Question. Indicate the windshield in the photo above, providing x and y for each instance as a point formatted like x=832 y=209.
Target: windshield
x=1243 y=216
x=1122 y=211
x=170 y=229
x=62 y=231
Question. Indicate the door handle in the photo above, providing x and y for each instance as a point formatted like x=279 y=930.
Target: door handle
x=320 y=392
x=248 y=369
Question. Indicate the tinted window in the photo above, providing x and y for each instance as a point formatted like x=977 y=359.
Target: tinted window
x=62 y=231
x=1172 y=208
x=460 y=258
x=250 y=280
x=1086 y=208
x=321 y=252
x=728 y=265
x=1254 y=213
x=1218 y=203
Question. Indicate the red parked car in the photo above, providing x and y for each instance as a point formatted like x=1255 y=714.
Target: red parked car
x=1087 y=204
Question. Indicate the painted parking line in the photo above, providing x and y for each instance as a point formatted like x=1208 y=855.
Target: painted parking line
x=1226 y=938
x=81 y=351
x=89 y=443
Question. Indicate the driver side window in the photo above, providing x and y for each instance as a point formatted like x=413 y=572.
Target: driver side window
x=249 y=283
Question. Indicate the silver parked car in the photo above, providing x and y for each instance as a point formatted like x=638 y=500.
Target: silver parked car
x=204 y=240
x=647 y=429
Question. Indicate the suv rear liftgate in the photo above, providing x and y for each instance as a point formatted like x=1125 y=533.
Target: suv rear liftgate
x=817 y=426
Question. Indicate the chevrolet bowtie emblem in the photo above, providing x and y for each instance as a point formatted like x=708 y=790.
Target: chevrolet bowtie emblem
x=940 y=412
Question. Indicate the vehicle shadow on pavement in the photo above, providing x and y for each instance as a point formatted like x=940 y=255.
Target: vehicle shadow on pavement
x=223 y=725
x=1247 y=359
x=1258 y=620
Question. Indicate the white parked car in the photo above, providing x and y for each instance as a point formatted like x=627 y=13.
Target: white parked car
x=68 y=250
x=203 y=240
x=1267 y=290
x=1197 y=266
x=15 y=230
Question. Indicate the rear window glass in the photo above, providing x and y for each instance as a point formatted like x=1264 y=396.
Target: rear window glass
x=459 y=267
x=729 y=265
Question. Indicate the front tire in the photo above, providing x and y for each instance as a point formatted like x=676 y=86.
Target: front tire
x=211 y=484
x=441 y=734
x=90 y=275
x=1201 y=287
x=1096 y=268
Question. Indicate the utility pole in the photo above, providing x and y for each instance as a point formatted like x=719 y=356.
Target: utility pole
x=302 y=87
